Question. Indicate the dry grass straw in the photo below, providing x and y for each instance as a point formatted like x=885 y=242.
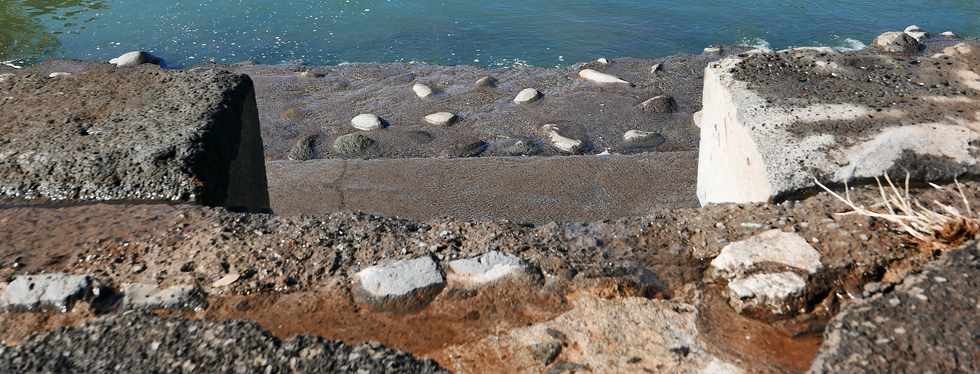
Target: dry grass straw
x=936 y=228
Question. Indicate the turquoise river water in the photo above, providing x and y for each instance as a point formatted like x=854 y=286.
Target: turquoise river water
x=490 y=33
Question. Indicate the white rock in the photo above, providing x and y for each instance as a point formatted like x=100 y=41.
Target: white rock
x=57 y=290
x=58 y=74
x=440 y=119
x=655 y=68
x=602 y=78
x=485 y=269
x=402 y=285
x=773 y=246
x=603 y=61
x=527 y=95
x=896 y=42
x=778 y=293
x=697 y=117
x=422 y=90
x=366 y=122
x=913 y=28
x=637 y=135
x=135 y=58
x=561 y=142
x=949 y=34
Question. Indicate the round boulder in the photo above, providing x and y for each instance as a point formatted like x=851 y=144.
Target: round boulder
x=896 y=42
x=135 y=58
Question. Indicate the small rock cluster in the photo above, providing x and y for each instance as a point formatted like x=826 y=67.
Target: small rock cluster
x=410 y=285
x=61 y=291
x=767 y=274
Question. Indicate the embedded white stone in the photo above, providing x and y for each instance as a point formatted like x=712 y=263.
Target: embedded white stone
x=561 y=142
x=602 y=78
x=773 y=246
x=527 y=95
x=422 y=90
x=366 y=122
x=440 y=119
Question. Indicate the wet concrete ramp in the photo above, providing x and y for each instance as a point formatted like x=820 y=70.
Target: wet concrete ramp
x=533 y=190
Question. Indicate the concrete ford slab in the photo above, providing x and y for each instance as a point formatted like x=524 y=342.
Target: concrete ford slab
x=772 y=122
x=131 y=134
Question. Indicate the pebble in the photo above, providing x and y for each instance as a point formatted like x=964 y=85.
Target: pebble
x=603 y=61
x=949 y=34
x=655 y=68
x=366 y=122
x=58 y=75
x=527 y=95
x=440 y=119
x=561 y=142
x=486 y=82
x=521 y=148
x=422 y=90
x=599 y=77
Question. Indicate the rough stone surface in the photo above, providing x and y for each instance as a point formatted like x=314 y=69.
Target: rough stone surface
x=771 y=247
x=928 y=323
x=400 y=286
x=896 y=42
x=774 y=122
x=132 y=134
x=56 y=290
x=305 y=148
x=527 y=95
x=440 y=119
x=137 y=342
x=366 y=122
x=776 y=293
x=662 y=337
x=353 y=144
x=660 y=104
x=486 y=269
x=466 y=149
x=151 y=296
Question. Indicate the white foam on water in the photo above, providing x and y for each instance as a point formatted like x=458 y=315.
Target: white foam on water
x=849 y=45
x=757 y=43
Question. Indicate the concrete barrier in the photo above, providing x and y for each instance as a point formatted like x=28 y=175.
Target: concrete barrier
x=773 y=122
x=141 y=133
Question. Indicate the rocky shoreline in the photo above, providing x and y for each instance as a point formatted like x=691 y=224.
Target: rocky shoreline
x=581 y=249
